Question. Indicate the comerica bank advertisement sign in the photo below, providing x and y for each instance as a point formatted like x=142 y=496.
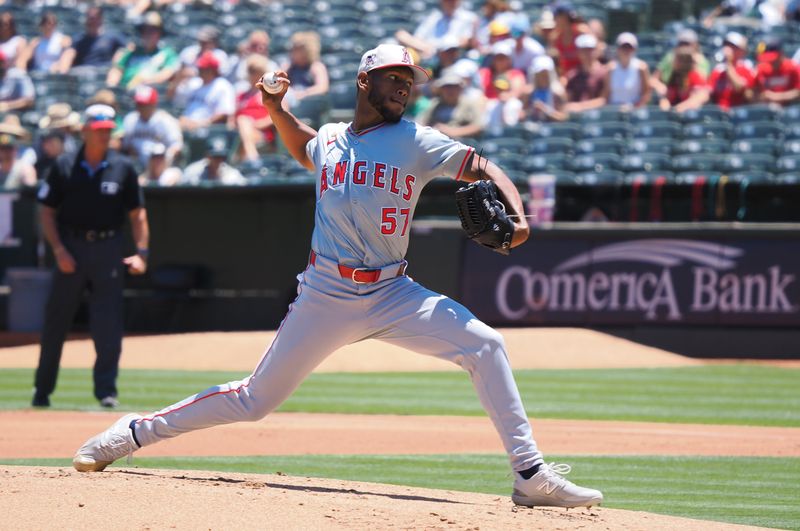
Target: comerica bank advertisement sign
x=661 y=280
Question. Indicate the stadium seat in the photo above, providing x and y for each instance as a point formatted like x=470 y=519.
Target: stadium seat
x=788 y=163
x=552 y=130
x=707 y=114
x=769 y=130
x=664 y=145
x=790 y=147
x=656 y=129
x=707 y=130
x=602 y=114
x=544 y=146
x=757 y=145
x=618 y=130
x=791 y=131
x=713 y=146
x=544 y=163
x=596 y=162
x=700 y=162
x=791 y=114
x=599 y=145
x=514 y=146
x=736 y=162
x=646 y=162
x=753 y=113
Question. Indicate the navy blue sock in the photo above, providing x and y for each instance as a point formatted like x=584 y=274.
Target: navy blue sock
x=133 y=432
x=528 y=474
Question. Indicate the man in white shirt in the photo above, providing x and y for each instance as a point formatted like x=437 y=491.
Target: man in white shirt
x=147 y=126
x=213 y=102
x=213 y=169
x=450 y=20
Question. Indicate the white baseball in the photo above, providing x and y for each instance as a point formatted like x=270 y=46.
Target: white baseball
x=271 y=83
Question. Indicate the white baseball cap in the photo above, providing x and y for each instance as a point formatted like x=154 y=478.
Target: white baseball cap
x=737 y=39
x=542 y=63
x=388 y=55
x=586 y=40
x=627 y=38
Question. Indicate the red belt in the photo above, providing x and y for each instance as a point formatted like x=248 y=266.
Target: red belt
x=360 y=275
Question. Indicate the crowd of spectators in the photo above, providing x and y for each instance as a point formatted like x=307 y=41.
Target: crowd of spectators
x=493 y=67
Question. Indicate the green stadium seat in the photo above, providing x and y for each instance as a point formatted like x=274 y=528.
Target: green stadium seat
x=707 y=130
x=618 y=130
x=703 y=146
x=707 y=114
x=701 y=162
x=757 y=145
x=656 y=129
x=768 y=130
x=754 y=113
x=736 y=162
x=596 y=162
x=600 y=145
x=647 y=162
x=663 y=145
x=544 y=146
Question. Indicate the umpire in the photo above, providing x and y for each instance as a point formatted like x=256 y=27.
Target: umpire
x=84 y=202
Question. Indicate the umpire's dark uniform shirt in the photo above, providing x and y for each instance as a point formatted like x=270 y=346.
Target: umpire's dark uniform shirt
x=91 y=205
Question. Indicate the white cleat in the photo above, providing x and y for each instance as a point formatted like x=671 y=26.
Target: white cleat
x=106 y=447
x=547 y=488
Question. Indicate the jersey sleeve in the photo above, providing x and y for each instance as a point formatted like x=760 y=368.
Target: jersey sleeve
x=312 y=151
x=442 y=155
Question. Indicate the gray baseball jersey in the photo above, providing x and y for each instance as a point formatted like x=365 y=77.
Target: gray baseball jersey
x=368 y=184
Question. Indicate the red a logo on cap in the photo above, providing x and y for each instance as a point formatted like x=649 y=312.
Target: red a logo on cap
x=406 y=57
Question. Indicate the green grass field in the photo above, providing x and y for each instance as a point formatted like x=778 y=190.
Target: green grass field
x=753 y=491
x=731 y=394
x=756 y=491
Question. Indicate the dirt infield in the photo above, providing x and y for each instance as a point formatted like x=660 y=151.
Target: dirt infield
x=146 y=499
x=164 y=499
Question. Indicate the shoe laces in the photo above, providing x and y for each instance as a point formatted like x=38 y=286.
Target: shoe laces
x=555 y=471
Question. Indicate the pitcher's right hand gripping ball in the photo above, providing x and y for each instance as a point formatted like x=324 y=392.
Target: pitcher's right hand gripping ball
x=483 y=216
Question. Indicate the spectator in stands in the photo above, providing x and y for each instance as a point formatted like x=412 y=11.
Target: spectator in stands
x=14 y=172
x=213 y=168
x=158 y=171
x=777 y=77
x=308 y=74
x=47 y=52
x=467 y=70
x=257 y=43
x=544 y=27
x=95 y=47
x=451 y=112
x=503 y=112
x=628 y=78
x=686 y=87
x=546 y=101
x=147 y=63
x=500 y=65
x=207 y=41
x=731 y=82
x=449 y=19
x=586 y=83
x=792 y=14
x=12 y=45
x=526 y=49
x=492 y=11
x=56 y=137
x=568 y=27
x=770 y=12
x=213 y=102
x=687 y=39
x=252 y=120
x=149 y=125
x=447 y=53
x=16 y=88
x=598 y=29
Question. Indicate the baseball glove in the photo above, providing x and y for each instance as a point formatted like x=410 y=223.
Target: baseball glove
x=483 y=216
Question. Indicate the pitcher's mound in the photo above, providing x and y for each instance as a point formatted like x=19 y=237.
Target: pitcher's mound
x=41 y=498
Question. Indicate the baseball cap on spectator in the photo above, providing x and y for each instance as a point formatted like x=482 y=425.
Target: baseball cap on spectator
x=519 y=27
x=736 y=39
x=217 y=146
x=208 y=33
x=389 y=55
x=542 y=63
x=60 y=116
x=448 y=42
x=145 y=95
x=627 y=39
x=773 y=50
x=463 y=68
x=564 y=8
x=99 y=116
x=498 y=28
x=151 y=19
x=687 y=36
x=503 y=48
x=449 y=80
x=207 y=59
x=586 y=41
x=546 y=20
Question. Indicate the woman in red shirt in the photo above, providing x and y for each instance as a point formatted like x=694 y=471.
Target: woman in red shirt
x=686 y=88
x=501 y=65
x=562 y=38
x=731 y=81
x=252 y=119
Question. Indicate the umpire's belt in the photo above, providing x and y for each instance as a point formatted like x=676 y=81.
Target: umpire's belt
x=363 y=275
x=91 y=235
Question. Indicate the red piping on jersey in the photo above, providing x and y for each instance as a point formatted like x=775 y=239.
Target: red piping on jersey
x=463 y=163
x=365 y=131
x=249 y=379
